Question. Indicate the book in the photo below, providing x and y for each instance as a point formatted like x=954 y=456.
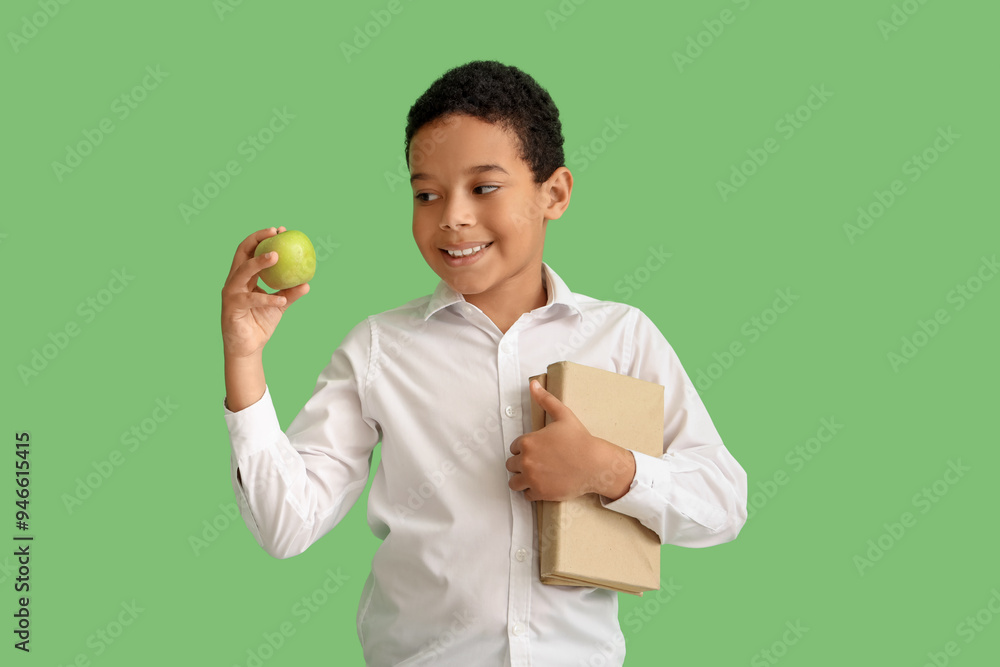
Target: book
x=580 y=542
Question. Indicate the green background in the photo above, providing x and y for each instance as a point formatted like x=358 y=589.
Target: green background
x=133 y=539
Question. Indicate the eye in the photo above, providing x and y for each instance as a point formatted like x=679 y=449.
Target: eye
x=421 y=196
x=495 y=188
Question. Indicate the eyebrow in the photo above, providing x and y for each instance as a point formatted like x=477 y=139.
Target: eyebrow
x=478 y=169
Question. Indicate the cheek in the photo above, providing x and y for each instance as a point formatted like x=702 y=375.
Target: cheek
x=530 y=209
x=520 y=230
x=421 y=226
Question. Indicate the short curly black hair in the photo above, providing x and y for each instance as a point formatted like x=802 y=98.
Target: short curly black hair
x=500 y=94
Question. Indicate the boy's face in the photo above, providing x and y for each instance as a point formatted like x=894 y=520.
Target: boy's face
x=473 y=192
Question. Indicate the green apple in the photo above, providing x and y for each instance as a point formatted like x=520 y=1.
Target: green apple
x=296 y=259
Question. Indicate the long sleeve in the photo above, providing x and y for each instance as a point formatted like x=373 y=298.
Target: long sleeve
x=297 y=486
x=695 y=495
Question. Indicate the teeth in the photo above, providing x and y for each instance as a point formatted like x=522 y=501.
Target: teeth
x=467 y=251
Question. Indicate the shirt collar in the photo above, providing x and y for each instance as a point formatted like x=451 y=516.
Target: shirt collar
x=559 y=295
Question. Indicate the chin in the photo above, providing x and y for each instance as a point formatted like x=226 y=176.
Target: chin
x=464 y=284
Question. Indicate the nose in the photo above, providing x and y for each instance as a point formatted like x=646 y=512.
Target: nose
x=457 y=213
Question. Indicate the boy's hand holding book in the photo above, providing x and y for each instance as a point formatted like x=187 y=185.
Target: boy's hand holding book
x=563 y=460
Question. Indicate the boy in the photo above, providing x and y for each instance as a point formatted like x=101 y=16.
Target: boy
x=442 y=383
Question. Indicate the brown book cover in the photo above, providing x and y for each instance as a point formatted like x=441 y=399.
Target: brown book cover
x=580 y=542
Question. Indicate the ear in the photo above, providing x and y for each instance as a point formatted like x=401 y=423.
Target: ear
x=557 y=190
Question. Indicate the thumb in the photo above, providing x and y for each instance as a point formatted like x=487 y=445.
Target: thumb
x=552 y=405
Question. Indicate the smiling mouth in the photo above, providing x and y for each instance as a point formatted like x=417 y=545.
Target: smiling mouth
x=469 y=251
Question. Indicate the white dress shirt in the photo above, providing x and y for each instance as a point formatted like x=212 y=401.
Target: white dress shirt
x=455 y=580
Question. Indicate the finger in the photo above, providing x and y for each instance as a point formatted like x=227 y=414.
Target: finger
x=515 y=446
x=293 y=294
x=513 y=464
x=552 y=405
x=246 y=247
x=517 y=483
x=245 y=277
x=248 y=300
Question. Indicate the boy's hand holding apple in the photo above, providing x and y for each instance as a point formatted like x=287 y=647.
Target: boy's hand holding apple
x=249 y=317
x=249 y=314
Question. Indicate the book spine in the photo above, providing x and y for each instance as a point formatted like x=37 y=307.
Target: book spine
x=545 y=561
x=553 y=511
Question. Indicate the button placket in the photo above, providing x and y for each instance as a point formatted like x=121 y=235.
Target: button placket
x=522 y=527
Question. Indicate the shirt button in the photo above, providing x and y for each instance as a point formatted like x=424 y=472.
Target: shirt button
x=518 y=629
x=510 y=411
x=505 y=347
x=521 y=554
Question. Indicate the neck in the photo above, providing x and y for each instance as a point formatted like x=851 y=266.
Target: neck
x=508 y=303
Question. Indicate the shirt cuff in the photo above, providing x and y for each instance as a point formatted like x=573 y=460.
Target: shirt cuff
x=247 y=426
x=640 y=497
x=642 y=500
x=662 y=494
